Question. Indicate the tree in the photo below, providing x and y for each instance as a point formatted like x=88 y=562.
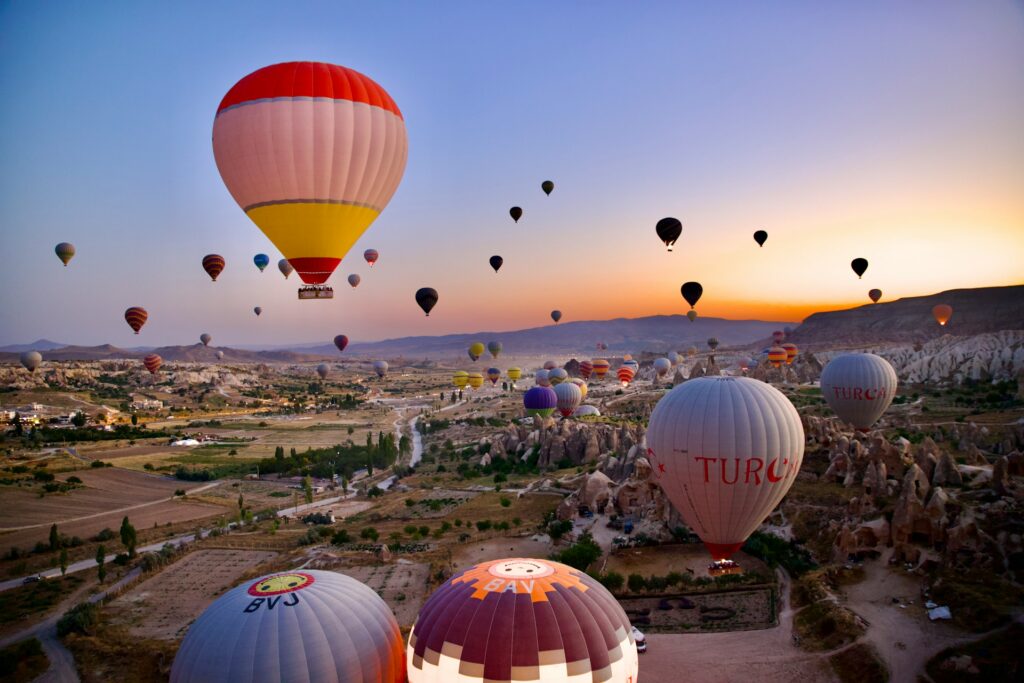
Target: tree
x=79 y=419
x=19 y=430
x=279 y=455
x=241 y=502
x=404 y=445
x=135 y=419
x=101 y=556
x=369 y=464
x=129 y=538
x=54 y=538
x=63 y=561
x=307 y=489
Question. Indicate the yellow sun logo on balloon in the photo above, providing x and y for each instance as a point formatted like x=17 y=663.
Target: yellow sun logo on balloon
x=520 y=575
x=276 y=584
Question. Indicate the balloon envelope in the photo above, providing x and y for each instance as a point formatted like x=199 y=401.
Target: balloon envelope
x=380 y=367
x=136 y=317
x=493 y=374
x=760 y=237
x=691 y=315
x=540 y=400
x=514 y=373
x=257 y=310
x=261 y=261
x=476 y=349
x=875 y=295
x=557 y=375
x=426 y=298
x=662 y=366
x=541 y=378
x=669 y=230
x=791 y=352
x=859 y=265
x=568 y=397
x=496 y=262
x=725 y=450
x=586 y=410
x=494 y=347
x=942 y=313
x=516 y=213
x=777 y=356
x=586 y=368
x=601 y=367
x=31 y=360
x=341 y=341
x=312 y=153
x=205 y=338
x=306 y=625
x=371 y=256
x=285 y=268
x=712 y=343
x=521 y=620
x=778 y=336
x=323 y=370
x=625 y=375
x=460 y=378
x=858 y=387
x=547 y=186
x=213 y=264
x=476 y=380
x=692 y=292
x=354 y=279
x=152 y=362
x=65 y=252
x=556 y=316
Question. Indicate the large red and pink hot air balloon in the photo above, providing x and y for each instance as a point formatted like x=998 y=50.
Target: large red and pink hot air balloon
x=312 y=152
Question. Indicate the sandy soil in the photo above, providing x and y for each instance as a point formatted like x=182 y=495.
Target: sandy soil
x=163 y=607
x=392 y=581
x=475 y=552
x=689 y=558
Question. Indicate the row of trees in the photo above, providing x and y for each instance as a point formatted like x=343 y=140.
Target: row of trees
x=343 y=460
x=129 y=539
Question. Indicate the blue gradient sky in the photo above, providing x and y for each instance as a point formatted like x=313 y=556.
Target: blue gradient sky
x=892 y=131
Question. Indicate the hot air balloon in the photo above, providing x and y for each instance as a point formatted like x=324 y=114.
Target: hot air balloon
x=550 y=365
x=323 y=370
x=354 y=279
x=548 y=187
x=426 y=297
x=859 y=265
x=516 y=213
x=493 y=374
x=692 y=351
x=65 y=252
x=777 y=356
x=475 y=350
x=691 y=315
x=625 y=375
x=213 y=264
x=875 y=295
x=691 y=292
x=541 y=378
x=496 y=262
x=371 y=256
x=521 y=620
x=725 y=450
x=630 y=363
x=380 y=367
x=556 y=316
x=586 y=367
x=568 y=397
x=152 y=362
x=312 y=153
x=257 y=310
x=514 y=373
x=858 y=387
x=136 y=317
x=460 y=379
x=713 y=343
x=582 y=385
x=942 y=313
x=307 y=625
x=791 y=351
x=540 y=400
x=601 y=367
x=662 y=366
x=205 y=338
x=587 y=411
x=669 y=230
x=476 y=380
x=341 y=341
x=285 y=268
x=778 y=336
x=31 y=360
x=261 y=261
x=557 y=375
x=220 y=355
x=760 y=237
x=494 y=347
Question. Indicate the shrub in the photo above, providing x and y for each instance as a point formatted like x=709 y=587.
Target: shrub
x=42 y=475
x=613 y=581
x=483 y=525
x=341 y=537
x=636 y=583
x=97 y=463
x=74 y=480
x=581 y=554
x=505 y=502
x=79 y=619
x=105 y=534
x=369 y=533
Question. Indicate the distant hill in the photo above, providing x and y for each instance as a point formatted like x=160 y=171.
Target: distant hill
x=975 y=311
x=196 y=353
x=653 y=333
x=37 y=345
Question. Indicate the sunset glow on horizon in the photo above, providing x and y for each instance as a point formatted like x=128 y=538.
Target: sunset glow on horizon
x=905 y=149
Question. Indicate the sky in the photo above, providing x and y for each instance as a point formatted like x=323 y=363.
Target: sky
x=892 y=131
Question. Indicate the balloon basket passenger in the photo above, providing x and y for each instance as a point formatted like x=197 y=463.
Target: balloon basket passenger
x=723 y=567
x=316 y=292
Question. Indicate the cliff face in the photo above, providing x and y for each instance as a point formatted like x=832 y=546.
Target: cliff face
x=975 y=311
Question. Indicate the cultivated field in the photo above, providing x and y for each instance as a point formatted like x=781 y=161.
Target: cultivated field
x=402 y=584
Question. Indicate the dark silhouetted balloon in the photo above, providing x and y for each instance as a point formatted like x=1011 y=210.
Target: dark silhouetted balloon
x=257 y=310
x=496 y=262
x=31 y=360
x=136 y=317
x=859 y=265
x=556 y=316
x=547 y=186
x=65 y=252
x=354 y=279
x=371 y=256
x=213 y=264
x=516 y=213
x=669 y=230
x=205 y=338
x=341 y=341
x=691 y=292
x=760 y=237
x=323 y=370
x=875 y=295
x=285 y=268
x=426 y=297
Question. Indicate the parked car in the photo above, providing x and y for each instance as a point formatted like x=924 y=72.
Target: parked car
x=33 y=579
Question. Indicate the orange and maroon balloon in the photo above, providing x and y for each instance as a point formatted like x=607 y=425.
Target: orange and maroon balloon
x=586 y=367
x=153 y=363
x=777 y=356
x=136 y=317
x=312 y=152
x=942 y=313
x=213 y=264
x=791 y=352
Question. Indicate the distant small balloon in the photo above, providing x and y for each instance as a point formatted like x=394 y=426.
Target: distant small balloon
x=859 y=265
x=213 y=264
x=712 y=343
x=669 y=230
x=354 y=280
x=257 y=310
x=496 y=262
x=285 y=268
x=942 y=313
x=341 y=341
x=152 y=362
x=323 y=370
x=778 y=336
x=495 y=348
x=205 y=338
x=556 y=316
x=692 y=292
x=516 y=213
x=476 y=349
x=65 y=252
x=371 y=256
x=548 y=187
x=875 y=295
x=380 y=367
x=261 y=261
x=760 y=237
x=691 y=315
x=136 y=317
x=31 y=360
x=426 y=297
x=220 y=355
